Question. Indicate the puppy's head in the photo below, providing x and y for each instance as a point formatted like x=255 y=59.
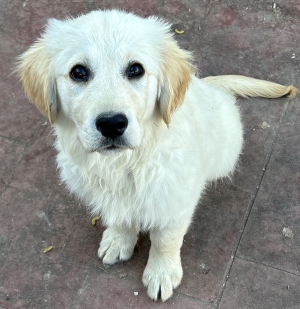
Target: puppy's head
x=106 y=76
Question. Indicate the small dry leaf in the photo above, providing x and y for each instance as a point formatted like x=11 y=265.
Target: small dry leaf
x=48 y=249
x=94 y=220
x=179 y=31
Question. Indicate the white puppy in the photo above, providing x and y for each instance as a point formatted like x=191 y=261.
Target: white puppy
x=138 y=135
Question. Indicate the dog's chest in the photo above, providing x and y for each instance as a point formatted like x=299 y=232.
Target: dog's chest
x=129 y=191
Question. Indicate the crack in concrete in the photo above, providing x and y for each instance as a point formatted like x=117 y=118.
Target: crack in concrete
x=80 y=292
x=267 y=265
x=249 y=209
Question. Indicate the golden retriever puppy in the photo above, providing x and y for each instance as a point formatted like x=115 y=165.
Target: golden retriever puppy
x=138 y=135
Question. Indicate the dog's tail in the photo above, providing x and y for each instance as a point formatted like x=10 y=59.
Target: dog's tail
x=244 y=87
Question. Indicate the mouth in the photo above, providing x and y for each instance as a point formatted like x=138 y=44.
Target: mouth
x=109 y=146
x=112 y=147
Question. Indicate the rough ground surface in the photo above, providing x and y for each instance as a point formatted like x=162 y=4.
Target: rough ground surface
x=243 y=249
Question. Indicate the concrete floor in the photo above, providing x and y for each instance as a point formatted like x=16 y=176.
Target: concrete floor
x=243 y=248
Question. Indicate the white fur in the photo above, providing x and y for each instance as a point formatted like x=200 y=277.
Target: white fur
x=155 y=181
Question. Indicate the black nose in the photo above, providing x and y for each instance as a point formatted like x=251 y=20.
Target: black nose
x=112 y=126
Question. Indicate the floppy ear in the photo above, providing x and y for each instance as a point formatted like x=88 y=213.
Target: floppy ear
x=176 y=78
x=34 y=69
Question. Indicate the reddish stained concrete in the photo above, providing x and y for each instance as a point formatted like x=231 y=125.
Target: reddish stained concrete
x=235 y=254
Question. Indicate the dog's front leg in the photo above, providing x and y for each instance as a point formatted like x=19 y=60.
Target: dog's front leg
x=163 y=272
x=117 y=244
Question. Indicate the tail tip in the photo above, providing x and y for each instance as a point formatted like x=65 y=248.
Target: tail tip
x=292 y=92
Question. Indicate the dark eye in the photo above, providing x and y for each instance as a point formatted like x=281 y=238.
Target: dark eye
x=79 y=73
x=135 y=70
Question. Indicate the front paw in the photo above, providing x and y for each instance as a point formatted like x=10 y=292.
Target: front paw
x=117 y=245
x=161 y=276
